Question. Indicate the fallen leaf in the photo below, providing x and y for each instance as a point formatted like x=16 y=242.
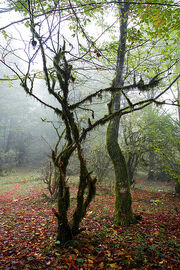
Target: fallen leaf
x=115 y=266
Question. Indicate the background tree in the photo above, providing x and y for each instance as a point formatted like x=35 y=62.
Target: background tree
x=98 y=158
x=123 y=213
x=132 y=141
x=152 y=133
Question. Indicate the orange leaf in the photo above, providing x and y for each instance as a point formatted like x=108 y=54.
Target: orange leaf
x=128 y=256
x=115 y=266
x=101 y=265
x=91 y=258
x=76 y=251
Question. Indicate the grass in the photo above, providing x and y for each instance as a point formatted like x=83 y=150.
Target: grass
x=20 y=180
x=155 y=186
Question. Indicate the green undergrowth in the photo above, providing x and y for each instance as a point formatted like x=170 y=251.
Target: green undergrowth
x=20 y=180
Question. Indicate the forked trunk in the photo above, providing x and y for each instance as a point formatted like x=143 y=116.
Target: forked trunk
x=86 y=191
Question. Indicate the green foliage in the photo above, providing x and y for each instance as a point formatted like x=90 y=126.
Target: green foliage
x=158 y=21
x=154 y=135
x=163 y=135
x=4 y=33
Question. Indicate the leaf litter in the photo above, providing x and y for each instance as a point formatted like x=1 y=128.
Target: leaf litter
x=28 y=232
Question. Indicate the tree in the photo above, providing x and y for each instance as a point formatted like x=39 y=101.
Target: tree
x=59 y=78
x=98 y=158
x=61 y=62
x=132 y=141
x=123 y=212
x=153 y=133
x=162 y=135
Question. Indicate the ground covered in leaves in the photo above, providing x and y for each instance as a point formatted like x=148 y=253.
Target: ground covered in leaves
x=28 y=230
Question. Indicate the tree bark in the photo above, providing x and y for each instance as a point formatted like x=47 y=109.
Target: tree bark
x=123 y=210
x=178 y=100
x=64 y=233
x=68 y=229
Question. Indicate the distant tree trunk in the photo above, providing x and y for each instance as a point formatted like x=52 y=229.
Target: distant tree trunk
x=1 y=169
x=9 y=140
x=123 y=201
x=21 y=155
x=151 y=174
x=177 y=189
x=132 y=163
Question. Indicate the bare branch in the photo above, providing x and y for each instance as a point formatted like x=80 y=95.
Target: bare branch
x=59 y=112
x=168 y=87
x=134 y=107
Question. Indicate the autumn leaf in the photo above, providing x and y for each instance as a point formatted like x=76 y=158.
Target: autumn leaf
x=115 y=266
x=101 y=265
x=29 y=232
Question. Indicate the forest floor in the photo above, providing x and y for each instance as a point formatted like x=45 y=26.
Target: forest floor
x=28 y=229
